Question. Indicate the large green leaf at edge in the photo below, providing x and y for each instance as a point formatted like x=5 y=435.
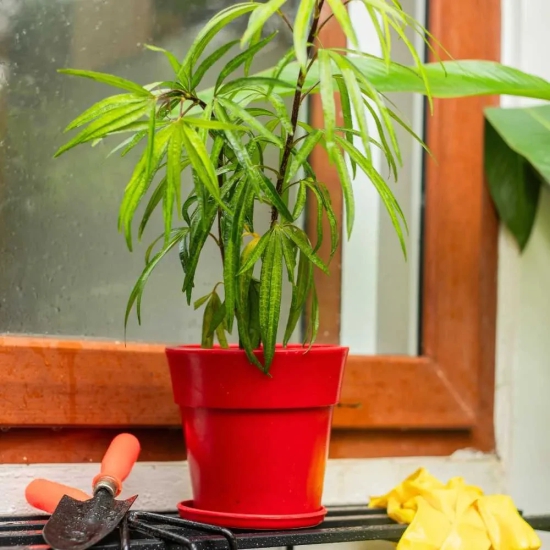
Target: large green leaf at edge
x=517 y=160
x=447 y=79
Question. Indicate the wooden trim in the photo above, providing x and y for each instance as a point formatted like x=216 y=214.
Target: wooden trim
x=443 y=399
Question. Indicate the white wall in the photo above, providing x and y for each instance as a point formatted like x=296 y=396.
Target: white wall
x=523 y=366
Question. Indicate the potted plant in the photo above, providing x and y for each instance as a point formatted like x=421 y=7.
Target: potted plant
x=257 y=415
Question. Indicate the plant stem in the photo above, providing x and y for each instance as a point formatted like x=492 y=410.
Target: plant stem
x=296 y=109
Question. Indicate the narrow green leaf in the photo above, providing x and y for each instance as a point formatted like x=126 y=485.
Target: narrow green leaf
x=274 y=198
x=280 y=108
x=201 y=301
x=213 y=58
x=259 y=18
x=256 y=253
x=139 y=184
x=313 y=328
x=302 y=25
x=321 y=192
x=109 y=122
x=356 y=97
x=200 y=160
x=174 y=63
x=301 y=240
x=150 y=142
x=233 y=249
x=103 y=106
x=301 y=198
x=128 y=144
x=155 y=199
x=345 y=105
x=290 y=250
x=210 y=31
x=341 y=13
x=220 y=335
x=347 y=187
x=173 y=178
x=327 y=94
x=109 y=79
x=242 y=58
x=207 y=338
x=253 y=82
x=383 y=189
x=212 y=124
x=299 y=295
x=137 y=291
x=271 y=282
x=252 y=121
x=303 y=154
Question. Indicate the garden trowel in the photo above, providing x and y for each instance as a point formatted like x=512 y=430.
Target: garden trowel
x=77 y=524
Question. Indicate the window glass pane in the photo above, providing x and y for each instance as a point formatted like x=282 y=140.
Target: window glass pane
x=65 y=268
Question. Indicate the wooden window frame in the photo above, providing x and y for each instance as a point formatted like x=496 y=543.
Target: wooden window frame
x=433 y=404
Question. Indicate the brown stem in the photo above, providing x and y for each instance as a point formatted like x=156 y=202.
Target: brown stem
x=286 y=20
x=296 y=109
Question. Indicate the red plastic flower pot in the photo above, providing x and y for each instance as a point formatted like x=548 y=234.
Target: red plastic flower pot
x=257 y=445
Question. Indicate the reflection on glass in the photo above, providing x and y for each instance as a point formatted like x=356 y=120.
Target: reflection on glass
x=65 y=269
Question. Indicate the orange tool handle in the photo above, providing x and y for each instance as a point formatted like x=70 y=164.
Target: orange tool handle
x=119 y=460
x=45 y=495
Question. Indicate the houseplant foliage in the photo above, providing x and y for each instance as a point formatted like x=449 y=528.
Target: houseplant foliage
x=222 y=134
x=517 y=164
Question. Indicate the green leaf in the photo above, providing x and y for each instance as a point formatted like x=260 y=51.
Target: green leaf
x=207 y=339
x=383 y=189
x=356 y=99
x=220 y=335
x=274 y=198
x=341 y=13
x=517 y=142
x=174 y=63
x=156 y=197
x=201 y=301
x=300 y=290
x=290 y=251
x=137 y=291
x=128 y=144
x=256 y=253
x=253 y=83
x=210 y=61
x=243 y=57
x=102 y=107
x=212 y=124
x=327 y=94
x=303 y=154
x=280 y=108
x=109 y=122
x=252 y=121
x=271 y=283
x=345 y=105
x=140 y=182
x=233 y=249
x=150 y=143
x=173 y=177
x=109 y=79
x=302 y=25
x=200 y=160
x=301 y=240
x=301 y=198
x=259 y=18
x=313 y=328
x=210 y=31
x=347 y=187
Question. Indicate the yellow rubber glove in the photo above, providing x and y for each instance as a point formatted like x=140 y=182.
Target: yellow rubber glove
x=455 y=516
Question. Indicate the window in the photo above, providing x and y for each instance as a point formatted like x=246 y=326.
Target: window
x=433 y=403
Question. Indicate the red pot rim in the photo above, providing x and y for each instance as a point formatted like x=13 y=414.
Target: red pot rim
x=289 y=349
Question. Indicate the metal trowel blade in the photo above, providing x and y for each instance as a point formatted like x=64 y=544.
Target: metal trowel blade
x=77 y=525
